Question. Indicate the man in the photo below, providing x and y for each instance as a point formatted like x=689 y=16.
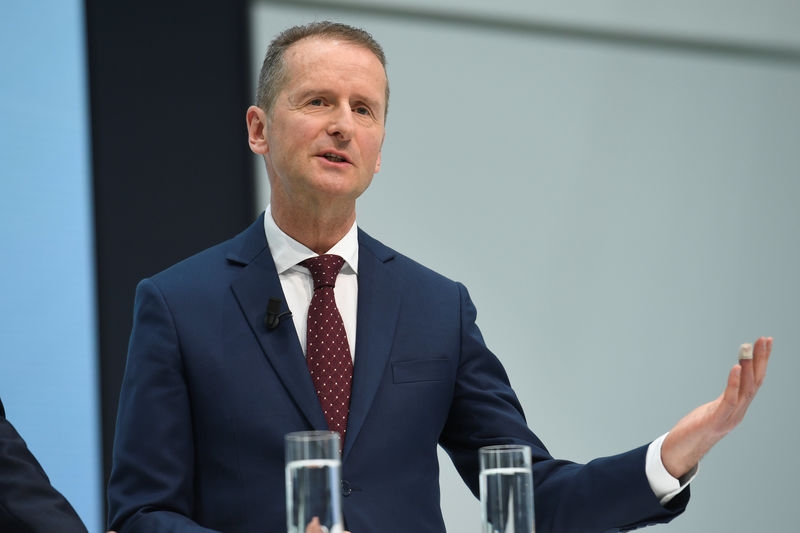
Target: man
x=214 y=382
x=28 y=502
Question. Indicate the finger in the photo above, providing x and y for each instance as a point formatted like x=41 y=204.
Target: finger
x=313 y=526
x=730 y=398
x=747 y=385
x=761 y=353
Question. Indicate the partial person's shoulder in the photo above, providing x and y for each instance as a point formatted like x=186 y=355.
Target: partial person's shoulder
x=218 y=263
x=403 y=266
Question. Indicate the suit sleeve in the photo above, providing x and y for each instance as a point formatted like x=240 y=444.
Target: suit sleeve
x=28 y=502
x=609 y=493
x=152 y=481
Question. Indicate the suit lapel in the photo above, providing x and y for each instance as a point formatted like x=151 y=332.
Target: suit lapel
x=258 y=283
x=379 y=297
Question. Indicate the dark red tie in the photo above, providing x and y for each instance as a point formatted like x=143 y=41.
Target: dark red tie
x=327 y=350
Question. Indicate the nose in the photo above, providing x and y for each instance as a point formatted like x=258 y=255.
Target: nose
x=341 y=123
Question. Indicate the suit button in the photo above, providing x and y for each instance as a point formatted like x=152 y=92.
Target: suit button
x=346 y=489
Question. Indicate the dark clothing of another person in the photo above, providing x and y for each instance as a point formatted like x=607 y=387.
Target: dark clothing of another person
x=28 y=502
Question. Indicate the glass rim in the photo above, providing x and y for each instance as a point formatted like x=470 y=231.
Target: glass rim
x=504 y=448
x=318 y=434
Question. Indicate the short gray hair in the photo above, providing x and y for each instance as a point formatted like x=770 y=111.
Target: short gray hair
x=273 y=70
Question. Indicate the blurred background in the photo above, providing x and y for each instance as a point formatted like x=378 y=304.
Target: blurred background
x=618 y=180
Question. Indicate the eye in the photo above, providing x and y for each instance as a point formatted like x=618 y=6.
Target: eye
x=362 y=110
x=315 y=102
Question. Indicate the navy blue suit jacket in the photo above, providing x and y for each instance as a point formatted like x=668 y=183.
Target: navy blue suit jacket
x=209 y=393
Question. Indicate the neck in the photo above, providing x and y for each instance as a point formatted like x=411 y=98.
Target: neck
x=318 y=229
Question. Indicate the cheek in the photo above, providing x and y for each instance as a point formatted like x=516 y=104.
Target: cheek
x=292 y=139
x=373 y=146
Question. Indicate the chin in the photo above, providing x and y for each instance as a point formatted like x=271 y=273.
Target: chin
x=341 y=188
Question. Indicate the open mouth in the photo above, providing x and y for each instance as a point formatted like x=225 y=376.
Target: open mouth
x=334 y=158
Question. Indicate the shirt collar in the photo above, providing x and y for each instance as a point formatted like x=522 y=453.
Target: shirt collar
x=287 y=252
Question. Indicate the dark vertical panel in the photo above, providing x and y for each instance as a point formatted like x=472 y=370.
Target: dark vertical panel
x=169 y=87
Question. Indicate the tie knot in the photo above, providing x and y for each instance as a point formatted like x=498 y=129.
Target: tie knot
x=324 y=269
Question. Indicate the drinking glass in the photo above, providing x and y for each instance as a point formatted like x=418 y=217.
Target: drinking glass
x=313 y=482
x=506 y=489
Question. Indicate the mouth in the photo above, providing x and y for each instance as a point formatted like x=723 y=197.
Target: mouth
x=334 y=158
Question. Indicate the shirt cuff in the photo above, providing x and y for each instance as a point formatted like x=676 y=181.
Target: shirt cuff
x=664 y=486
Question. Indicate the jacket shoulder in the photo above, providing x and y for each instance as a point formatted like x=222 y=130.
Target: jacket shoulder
x=402 y=265
x=218 y=262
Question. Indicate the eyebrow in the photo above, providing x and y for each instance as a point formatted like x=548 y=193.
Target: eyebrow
x=296 y=98
x=306 y=93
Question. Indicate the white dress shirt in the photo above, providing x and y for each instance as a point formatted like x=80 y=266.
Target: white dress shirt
x=298 y=287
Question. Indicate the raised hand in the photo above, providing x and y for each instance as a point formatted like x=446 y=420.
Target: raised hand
x=695 y=434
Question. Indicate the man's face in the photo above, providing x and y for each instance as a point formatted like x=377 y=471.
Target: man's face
x=325 y=130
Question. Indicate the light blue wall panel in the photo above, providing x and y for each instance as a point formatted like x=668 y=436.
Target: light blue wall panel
x=47 y=312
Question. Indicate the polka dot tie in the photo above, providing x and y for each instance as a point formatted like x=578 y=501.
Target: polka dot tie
x=327 y=350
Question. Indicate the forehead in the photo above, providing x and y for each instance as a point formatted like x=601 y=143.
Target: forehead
x=315 y=60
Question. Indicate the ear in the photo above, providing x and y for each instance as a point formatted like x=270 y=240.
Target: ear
x=257 y=130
